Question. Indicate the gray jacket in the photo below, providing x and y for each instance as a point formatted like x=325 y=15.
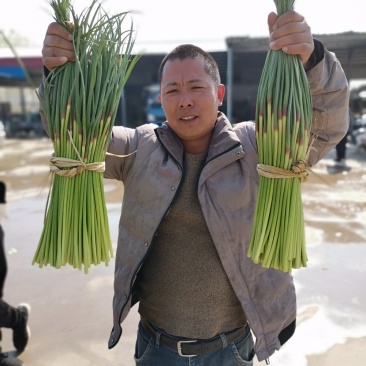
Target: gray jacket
x=227 y=191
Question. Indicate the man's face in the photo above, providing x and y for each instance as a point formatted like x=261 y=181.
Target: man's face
x=190 y=101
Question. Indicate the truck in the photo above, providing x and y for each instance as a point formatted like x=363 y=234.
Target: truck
x=25 y=125
x=154 y=111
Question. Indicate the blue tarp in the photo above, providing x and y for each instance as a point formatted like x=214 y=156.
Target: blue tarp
x=12 y=72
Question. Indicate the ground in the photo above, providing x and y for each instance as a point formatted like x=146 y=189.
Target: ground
x=71 y=311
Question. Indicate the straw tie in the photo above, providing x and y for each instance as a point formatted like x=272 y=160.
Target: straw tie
x=58 y=166
x=298 y=169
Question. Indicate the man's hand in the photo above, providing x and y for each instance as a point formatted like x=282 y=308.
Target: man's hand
x=57 y=46
x=292 y=34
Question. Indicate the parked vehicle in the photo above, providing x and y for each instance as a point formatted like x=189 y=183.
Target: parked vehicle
x=154 y=111
x=25 y=126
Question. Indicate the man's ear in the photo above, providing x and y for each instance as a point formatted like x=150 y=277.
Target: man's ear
x=221 y=93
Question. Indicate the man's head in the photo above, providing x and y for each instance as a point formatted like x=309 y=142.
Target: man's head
x=191 y=93
x=190 y=51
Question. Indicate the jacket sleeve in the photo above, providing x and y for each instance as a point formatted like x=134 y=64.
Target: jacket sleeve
x=128 y=147
x=330 y=98
x=120 y=153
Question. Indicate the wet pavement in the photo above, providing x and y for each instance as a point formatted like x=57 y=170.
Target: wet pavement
x=71 y=311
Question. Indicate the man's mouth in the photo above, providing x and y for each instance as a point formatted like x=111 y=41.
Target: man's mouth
x=188 y=118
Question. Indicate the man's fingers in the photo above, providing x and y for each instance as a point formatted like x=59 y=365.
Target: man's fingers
x=288 y=17
x=52 y=62
x=56 y=41
x=291 y=33
x=58 y=30
x=290 y=29
x=57 y=46
x=58 y=52
x=272 y=17
x=290 y=40
x=303 y=50
x=56 y=56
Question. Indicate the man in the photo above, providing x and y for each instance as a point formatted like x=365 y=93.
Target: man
x=189 y=200
x=10 y=317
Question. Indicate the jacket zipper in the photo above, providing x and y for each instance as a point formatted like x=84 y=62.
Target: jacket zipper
x=224 y=152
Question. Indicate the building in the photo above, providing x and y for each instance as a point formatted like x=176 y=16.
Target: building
x=240 y=67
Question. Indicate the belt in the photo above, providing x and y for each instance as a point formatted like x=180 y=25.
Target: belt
x=190 y=347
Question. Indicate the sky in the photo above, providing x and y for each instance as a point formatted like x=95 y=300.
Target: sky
x=162 y=24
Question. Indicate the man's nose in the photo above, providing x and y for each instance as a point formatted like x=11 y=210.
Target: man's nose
x=185 y=101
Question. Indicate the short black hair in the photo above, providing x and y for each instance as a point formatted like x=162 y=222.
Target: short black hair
x=185 y=51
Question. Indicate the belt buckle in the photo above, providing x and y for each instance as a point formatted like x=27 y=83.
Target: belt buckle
x=179 y=348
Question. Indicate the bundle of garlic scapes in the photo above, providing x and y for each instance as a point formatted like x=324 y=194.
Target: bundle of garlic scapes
x=283 y=122
x=80 y=104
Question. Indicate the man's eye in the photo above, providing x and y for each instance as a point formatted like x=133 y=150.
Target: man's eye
x=171 y=91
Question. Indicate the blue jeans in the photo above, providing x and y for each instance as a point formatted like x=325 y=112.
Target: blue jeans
x=149 y=352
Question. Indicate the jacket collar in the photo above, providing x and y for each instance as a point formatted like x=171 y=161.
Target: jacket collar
x=223 y=139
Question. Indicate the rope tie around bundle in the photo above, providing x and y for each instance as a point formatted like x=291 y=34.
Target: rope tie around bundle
x=58 y=166
x=298 y=170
